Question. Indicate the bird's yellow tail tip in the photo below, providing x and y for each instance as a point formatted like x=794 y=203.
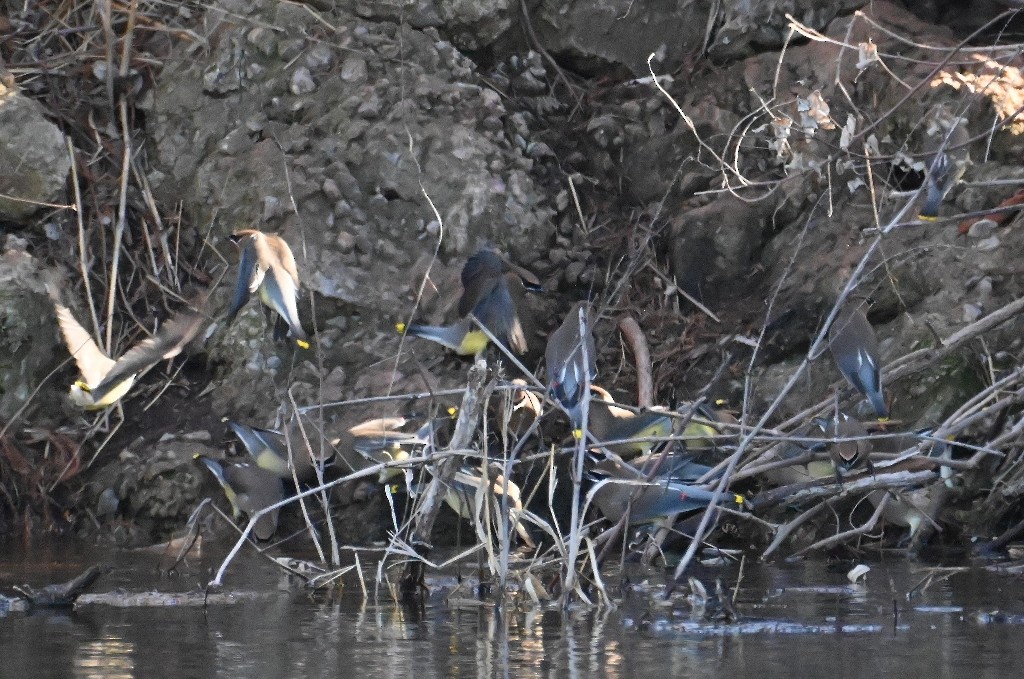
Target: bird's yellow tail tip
x=303 y=344
x=83 y=386
x=400 y=327
x=883 y=420
x=928 y=218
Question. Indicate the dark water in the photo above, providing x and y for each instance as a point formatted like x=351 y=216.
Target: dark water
x=796 y=621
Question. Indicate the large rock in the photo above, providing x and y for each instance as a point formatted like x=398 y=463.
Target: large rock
x=34 y=160
x=469 y=24
x=29 y=341
x=602 y=33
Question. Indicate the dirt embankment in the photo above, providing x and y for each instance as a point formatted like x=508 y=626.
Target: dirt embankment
x=724 y=210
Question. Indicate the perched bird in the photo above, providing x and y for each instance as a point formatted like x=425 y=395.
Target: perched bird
x=653 y=501
x=380 y=441
x=361 y=446
x=804 y=472
x=851 y=453
x=704 y=431
x=913 y=508
x=568 y=371
x=461 y=497
x=855 y=349
x=269 y=451
x=608 y=422
x=249 y=489
x=946 y=168
x=674 y=467
x=263 y=254
x=486 y=295
x=105 y=381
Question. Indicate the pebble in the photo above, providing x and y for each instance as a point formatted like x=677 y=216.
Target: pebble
x=302 y=81
x=573 y=271
x=199 y=436
x=972 y=312
x=271 y=207
x=319 y=57
x=263 y=40
x=353 y=70
x=330 y=189
x=982 y=228
x=988 y=244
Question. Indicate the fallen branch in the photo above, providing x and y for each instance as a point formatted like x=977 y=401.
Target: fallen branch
x=642 y=357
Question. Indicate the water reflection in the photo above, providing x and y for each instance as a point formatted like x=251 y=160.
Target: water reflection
x=109 y=657
x=796 y=620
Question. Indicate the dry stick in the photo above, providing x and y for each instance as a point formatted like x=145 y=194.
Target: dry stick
x=381 y=399
x=869 y=525
x=154 y=211
x=122 y=207
x=642 y=358
x=82 y=257
x=335 y=556
x=683 y=293
x=109 y=39
x=465 y=427
x=580 y=456
x=802 y=492
x=976 y=402
x=786 y=530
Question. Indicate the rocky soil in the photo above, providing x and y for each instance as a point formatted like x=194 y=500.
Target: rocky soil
x=387 y=142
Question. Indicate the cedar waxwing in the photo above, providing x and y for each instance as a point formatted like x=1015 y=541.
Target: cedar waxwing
x=105 y=381
x=523 y=407
x=485 y=293
x=567 y=371
x=655 y=500
x=461 y=497
x=850 y=454
x=786 y=450
x=249 y=489
x=380 y=441
x=608 y=422
x=363 y=445
x=700 y=436
x=946 y=167
x=912 y=508
x=795 y=473
x=463 y=337
x=263 y=254
x=270 y=452
x=855 y=349
x=674 y=467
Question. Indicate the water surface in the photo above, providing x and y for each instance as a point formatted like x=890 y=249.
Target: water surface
x=795 y=620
